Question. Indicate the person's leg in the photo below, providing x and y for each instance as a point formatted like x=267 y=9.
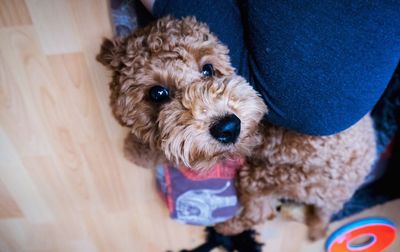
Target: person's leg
x=321 y=65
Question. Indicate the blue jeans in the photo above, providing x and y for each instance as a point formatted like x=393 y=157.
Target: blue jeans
x=320 y=66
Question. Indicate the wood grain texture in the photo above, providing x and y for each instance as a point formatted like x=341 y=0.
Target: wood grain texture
x=64 y=183
x=13 y=13
x=55 y=24
x=8 y=207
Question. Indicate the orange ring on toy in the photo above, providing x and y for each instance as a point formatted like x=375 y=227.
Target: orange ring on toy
x=379 y=231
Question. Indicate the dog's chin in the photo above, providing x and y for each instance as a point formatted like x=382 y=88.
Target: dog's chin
x=203 y=167
x=204 y=163
x=202 y=157
x=199 y=165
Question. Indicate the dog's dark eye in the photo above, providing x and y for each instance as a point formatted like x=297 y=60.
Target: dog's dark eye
x=159 y=94
x=207 y=70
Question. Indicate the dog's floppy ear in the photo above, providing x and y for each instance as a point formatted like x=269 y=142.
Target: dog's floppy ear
x=111 y=53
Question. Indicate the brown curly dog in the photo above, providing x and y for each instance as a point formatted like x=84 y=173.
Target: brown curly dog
x=174 y=87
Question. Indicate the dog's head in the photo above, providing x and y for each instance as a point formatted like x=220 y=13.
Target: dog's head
x=174 y=87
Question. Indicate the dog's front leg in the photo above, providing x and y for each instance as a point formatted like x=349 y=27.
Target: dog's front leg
x=258 y=202
x=142 y=154
x=256 y=210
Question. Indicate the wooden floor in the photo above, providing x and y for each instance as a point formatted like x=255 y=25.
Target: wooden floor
x=64 y=184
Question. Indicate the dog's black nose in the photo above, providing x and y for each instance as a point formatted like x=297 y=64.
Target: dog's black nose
x=226 y=130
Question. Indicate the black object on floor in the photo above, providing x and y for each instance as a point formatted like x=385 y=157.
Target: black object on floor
x=243 y=242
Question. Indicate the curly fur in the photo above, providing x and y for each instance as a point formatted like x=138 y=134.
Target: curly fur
x=320 y=173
